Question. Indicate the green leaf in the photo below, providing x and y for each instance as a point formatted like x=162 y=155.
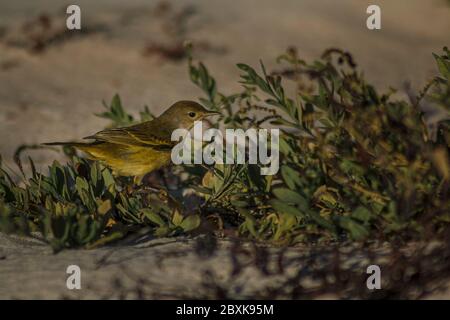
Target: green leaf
x=286 y=223
x=202 y=190
x=108 y=178
x=443 y=66
x=103 y=207
x=153 y=217
x=250 y=222
x=116 y=106
x=285 y=147
x=255 y=177
x=291 y=197
x=290 y=177
x=177 y=217
x=190 y=223
x=362 y=214
x=245 y=67
x=357 y=231
x=321 y=221
x=283 y=207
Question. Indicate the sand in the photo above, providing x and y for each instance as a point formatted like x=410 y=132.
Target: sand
x=53 y=94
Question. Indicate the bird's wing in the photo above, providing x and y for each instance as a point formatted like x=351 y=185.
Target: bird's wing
x=139 y=135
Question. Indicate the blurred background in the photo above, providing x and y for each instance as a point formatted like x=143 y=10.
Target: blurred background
x=53 y=81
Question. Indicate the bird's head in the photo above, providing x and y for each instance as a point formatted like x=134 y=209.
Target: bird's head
x=183 y=114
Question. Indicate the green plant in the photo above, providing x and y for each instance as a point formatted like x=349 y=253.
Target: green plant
x=355 y=164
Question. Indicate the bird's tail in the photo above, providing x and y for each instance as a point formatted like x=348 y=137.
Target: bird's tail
x=71 y=144
x=88 y=148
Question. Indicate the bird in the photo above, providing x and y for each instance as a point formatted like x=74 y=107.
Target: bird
x=144 y=147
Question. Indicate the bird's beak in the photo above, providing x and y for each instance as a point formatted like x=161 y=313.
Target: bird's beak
x=211 y=113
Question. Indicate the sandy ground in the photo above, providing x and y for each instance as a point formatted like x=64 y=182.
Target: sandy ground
x=169 y=268
x=52 y=95
x=162 y=269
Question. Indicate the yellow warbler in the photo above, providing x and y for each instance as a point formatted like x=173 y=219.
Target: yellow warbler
x=139 y=149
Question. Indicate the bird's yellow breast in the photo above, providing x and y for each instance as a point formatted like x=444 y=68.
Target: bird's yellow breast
x=128 y=160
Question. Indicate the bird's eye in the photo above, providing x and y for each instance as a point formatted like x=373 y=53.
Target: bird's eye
x=192 y=114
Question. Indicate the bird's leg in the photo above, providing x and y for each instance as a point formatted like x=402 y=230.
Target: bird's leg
x=164 y=179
